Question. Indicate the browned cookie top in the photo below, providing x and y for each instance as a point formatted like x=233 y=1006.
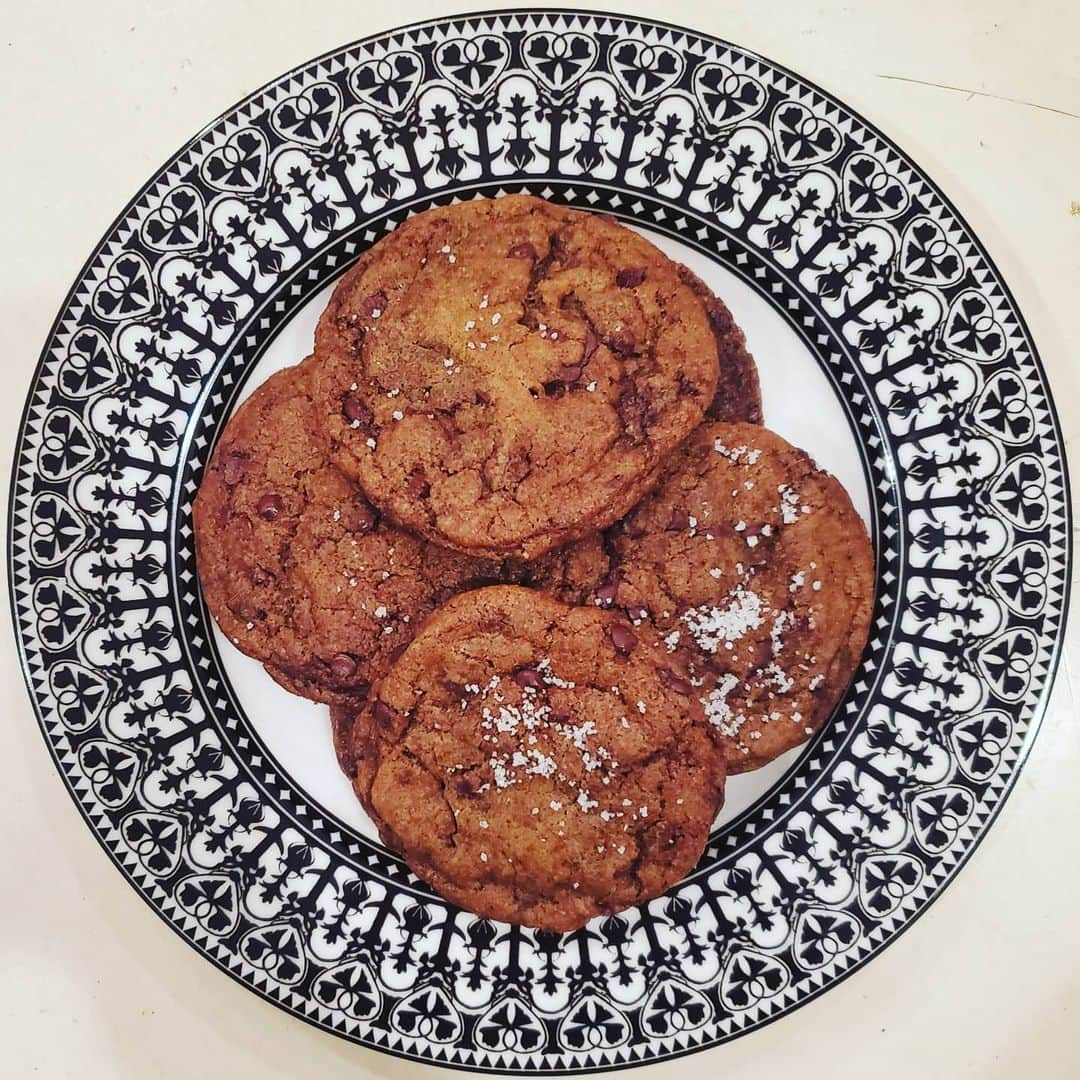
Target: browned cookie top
x=539 y=763
x=297 y=568
x=505 y=375
x=758 y=573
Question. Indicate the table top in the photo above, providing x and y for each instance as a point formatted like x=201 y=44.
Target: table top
x=985 y=97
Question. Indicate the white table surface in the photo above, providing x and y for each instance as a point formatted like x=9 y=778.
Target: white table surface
x=985 y=96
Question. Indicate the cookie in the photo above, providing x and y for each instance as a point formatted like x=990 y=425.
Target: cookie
x=342 y=722
x=756 y=570
x=738 y=392
x=297 y=568
x=538 y=763
x=505 y=375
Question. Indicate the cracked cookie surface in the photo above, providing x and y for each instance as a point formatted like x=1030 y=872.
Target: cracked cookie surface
x=296 y=566
x=505 y=375
x=539 y=763
x=757 y=571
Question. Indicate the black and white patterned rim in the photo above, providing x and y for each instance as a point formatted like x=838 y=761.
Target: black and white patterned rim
x=686 y=135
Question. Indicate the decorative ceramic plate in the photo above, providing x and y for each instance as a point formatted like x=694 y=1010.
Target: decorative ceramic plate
x=888 y=346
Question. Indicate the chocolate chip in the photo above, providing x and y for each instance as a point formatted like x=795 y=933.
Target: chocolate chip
x=623 y=639
x=416 y=484
x=376 y=302
x=630 y=277
x=357 y=412
x=555 y=388
x=381 y=713
x=483 y=398
x=343 y=666
x=570 y=373
x=635 y=412
x=607 y=592
x=589 y=345
x=363 y=518
x=680 y=519
x=528 y=677
x=623 y=343
x=269 y=507
x=233 y=469
x=522 y=251
x=675 y=682
x=468 y=784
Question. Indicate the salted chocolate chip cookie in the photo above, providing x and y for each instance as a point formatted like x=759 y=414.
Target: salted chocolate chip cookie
x=757 y=572
x=505 y=375
x=539 y=763
x=299 y=570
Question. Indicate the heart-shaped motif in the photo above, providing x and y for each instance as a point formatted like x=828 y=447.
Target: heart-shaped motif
x=66 y=445
x=1022 y=578
x=80 y=694
x=727 y=96
x=644 y=71
x=309 y=117
x=1019 y=493
x=885 y=881
x=558 y=60
x=177 y=223
x=822 y=936
x=592 y=1023
x=972 y=330
x=88 y=366
x=277 y=950
x=156 y=840
x=427 y=1014
x=127 y=290
x=348 y=988
x=674 y=1007
x=939 y=815
x=980 y=743
x=510 y=1025
x=388 y=83
x=801 y=137
x=871 y=192
x=926 y=256
x=473 y=64
x=239 y=165
x=751 y=978
x=211 y=900
x=56 y=529
x=1003 y=409
x=111 y=770
x=61 y=613
x=1008 y=662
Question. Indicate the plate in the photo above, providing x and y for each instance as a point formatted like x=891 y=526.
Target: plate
x=888 y=346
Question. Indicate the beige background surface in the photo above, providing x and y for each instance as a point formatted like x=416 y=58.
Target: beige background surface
x=985 y=96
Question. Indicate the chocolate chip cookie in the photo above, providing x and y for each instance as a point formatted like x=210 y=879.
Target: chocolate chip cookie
x=299 y=570
x=540 y=763
x=756 y=570
x=505 y=375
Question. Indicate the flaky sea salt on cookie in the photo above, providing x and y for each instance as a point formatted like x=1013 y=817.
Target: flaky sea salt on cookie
x=506 y=375
x=756 y=570
x=538 y=763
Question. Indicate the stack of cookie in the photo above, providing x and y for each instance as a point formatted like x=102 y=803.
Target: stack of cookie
x=516 y=522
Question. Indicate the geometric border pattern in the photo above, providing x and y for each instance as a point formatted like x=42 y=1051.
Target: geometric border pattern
x=682 y=134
